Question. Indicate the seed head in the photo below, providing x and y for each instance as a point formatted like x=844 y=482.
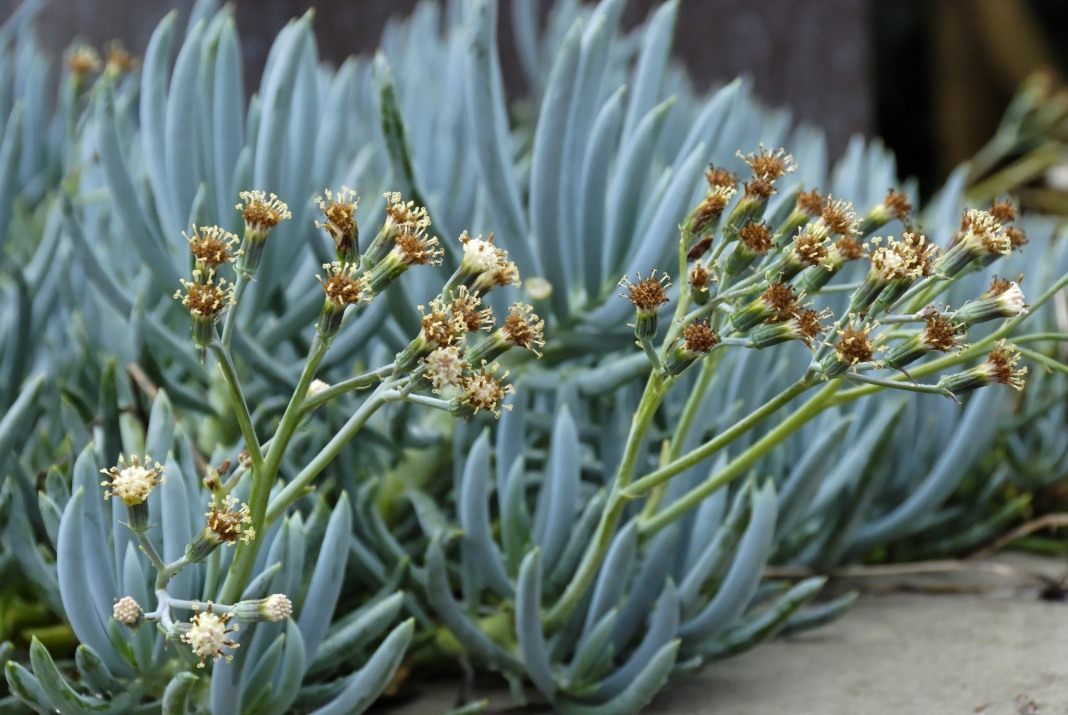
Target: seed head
x=208 y=635
x=342 y=286
x=132 y=479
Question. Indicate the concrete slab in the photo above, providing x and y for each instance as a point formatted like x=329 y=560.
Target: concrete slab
x=978 y=640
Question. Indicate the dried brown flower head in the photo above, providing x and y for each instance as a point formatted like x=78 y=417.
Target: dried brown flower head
x=758 y=188
x=212 y=246
x=262 y=211
x=1001 y=364
x=700 y=278
x=848 y=248
x=756 y=237
x=647 y=294
x=230 y=521
x=1017 y=237
x=810 y=202
x=782 y=300
x=769 y=164
x=699 y=337
x=343 y=286
x=523 y=328
x=854 y=345
x=468 y=307
x=718 y=178
x=206 y=298
x=898 y=205
x=941 y=333
x=1004 y=211
x=807 y=324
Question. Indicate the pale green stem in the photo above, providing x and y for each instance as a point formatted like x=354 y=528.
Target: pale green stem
x=584 y=576
x=1044 y=360
x=243 y=279
x=738 y=466
x=237 y=402
x=899 y=385
x=297 y=487
x=352 y=384
x=263 y=478
x=695 y=456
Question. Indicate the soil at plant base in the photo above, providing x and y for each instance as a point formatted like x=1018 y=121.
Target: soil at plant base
x=979 y=640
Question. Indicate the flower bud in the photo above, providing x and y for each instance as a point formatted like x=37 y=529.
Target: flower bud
x=342 y=287
x=775 y=304
x=127 y=612
x=276 y=607
x=647 y=295
x=132 y=480
x=754 y=240
x=981 y=235
x=339 y=213
x=999 y=367
x=696 y=341
x=700 y=280
x=261 y=212
x=1003 y=300
x=804 y=326
x=206 y=299
x=854 y=346
x=938 y=334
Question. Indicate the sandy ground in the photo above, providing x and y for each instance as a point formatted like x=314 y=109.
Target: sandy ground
x=973 y=642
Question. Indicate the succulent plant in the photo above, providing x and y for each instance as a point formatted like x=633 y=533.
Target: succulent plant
x=608 y=533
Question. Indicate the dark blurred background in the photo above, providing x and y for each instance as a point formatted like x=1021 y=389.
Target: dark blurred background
x=931 y=76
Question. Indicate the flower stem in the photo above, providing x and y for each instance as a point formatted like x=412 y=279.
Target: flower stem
x=816 y=404
x=237 y=401
x=655 y=388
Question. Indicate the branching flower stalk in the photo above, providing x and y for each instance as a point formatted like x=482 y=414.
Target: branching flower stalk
x=447 y=357
x=754 y=286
